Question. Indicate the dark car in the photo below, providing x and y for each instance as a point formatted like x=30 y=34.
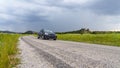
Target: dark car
x=47 y=34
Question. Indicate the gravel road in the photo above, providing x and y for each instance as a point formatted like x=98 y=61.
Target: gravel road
x=36 y=53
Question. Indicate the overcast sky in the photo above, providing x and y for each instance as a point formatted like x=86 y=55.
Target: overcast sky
x=59 y=15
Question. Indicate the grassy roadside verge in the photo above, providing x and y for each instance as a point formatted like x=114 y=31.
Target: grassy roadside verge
x=106 y=39
x=8 y=50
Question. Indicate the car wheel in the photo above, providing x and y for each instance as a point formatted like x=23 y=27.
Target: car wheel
x=47 y=38
x=54 y=39
x=38 y=37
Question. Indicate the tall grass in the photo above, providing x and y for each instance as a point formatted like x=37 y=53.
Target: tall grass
x=8 y=49
x=107 y=39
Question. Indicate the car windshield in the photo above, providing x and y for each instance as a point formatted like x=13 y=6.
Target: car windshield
x=49 y=31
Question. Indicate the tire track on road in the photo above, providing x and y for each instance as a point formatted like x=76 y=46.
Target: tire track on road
x=57 y=63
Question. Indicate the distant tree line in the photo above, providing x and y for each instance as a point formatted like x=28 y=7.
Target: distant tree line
x=30 y=32
x=80 y=31
x=9 y=32
x=87 y=31
x=104 y=32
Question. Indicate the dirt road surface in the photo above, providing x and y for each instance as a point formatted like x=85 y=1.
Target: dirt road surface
x=36 y=53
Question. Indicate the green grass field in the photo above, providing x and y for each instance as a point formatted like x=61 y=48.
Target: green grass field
x=9 y=42
x=8 y=49
x=106 y=39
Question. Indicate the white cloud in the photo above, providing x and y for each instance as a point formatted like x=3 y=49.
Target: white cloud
x=76 y=1
x=59 y=15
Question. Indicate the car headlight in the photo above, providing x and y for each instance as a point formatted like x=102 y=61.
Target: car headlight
x=46 y=33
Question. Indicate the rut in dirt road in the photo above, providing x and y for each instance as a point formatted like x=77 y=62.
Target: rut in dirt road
x=63 y=54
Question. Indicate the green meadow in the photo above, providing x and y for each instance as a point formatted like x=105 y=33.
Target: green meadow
x=8 y=50
x=105 y=39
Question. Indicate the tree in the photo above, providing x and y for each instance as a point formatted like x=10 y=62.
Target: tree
x=84 y=31
x=29 y=32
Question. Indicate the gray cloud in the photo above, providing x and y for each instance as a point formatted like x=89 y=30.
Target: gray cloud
x=33 y=18
x=106 y=7
x=58 y=15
